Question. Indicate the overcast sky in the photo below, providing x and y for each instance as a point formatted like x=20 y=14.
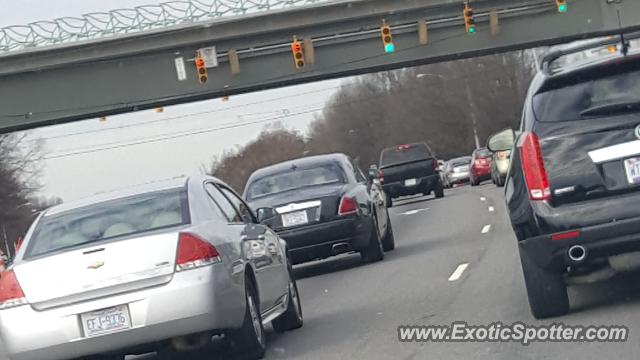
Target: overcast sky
x=75 y=176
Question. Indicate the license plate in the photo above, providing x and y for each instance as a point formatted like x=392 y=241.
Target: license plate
x=105 y=321
x=410 y=182
x=632 y=166
x=295 y=218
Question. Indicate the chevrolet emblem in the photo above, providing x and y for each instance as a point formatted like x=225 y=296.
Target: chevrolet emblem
x=95 y=265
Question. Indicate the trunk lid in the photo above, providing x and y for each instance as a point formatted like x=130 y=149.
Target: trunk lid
x=589 y=159
x=100 y=270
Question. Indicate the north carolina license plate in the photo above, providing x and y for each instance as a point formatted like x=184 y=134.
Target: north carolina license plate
x=295 y=218
x=106 y=321
x=410 y=182
x=632 y=167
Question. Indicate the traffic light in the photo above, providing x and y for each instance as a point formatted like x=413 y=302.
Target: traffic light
x=298 y=53
x=201 y=68
x=562 y=5
x=469 y=22
x=387 y=39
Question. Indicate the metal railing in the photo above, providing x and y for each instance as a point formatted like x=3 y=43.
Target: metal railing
x=126 y=21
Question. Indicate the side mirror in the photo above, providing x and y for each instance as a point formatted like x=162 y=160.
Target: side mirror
x=266 y=214
x=502 y=141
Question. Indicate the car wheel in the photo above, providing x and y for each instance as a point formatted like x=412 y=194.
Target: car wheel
x=389 y=201
x=439 y=191
x=373 y=252
x=250 y=338
x=500 y=182
x=546 y=290
x=291 y=319
x=389 y=241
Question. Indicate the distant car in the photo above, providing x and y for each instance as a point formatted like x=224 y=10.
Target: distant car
x=480 y=166
x=324 y=206
x=458 y=171
x=500 y=166
x=409 y=169
x=160 y=267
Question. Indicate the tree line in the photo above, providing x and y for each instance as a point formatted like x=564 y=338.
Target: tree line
x=439 y=104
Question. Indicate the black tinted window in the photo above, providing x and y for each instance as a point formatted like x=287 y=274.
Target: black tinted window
x=404 y=153
x=576 y=101
x=296 y=178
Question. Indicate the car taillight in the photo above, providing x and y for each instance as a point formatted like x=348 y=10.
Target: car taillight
x=194 y=252
x=533 y=167
x=11 y=294
x=478 y=162
x=347 y=206
x=381 y=176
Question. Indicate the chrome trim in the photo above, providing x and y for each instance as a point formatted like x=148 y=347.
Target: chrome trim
x=295 y=207
x=615 y=152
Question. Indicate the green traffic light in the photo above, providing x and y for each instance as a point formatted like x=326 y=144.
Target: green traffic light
x=390 y=48
x=562 y=8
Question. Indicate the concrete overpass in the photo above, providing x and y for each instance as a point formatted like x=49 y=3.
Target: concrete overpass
x=50 y=85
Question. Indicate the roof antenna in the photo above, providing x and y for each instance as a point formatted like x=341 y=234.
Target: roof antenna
x=625 y=43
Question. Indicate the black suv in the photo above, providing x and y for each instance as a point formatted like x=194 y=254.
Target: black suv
x=573 y=187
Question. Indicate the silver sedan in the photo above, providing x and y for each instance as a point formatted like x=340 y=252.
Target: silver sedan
x=162 y=267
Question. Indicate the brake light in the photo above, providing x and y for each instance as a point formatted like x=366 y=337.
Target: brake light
x=381 y=176
x=404 y=147
x=347 y=206
x=11 y=294
x=565 y=235
x=533 y=167
x=193 y=252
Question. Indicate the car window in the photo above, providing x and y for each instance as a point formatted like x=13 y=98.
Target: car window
x=356 y=171
x=215 y=207
x=227 y=208
x=296 y=178
x=108 y=220
x=404 y=153
x=245 y=212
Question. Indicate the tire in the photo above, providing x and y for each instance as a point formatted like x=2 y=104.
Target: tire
x=389 y=240
x=500 y=182
x=389 y=202
x=546 y=290
x=292 y=318
x=250 y=339
x=439 y=191
x=373 y=252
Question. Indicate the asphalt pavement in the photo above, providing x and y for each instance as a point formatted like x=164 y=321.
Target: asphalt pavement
x=352 y=311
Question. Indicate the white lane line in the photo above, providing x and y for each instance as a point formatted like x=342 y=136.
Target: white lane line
x=413 y=212
x=483 y=199
x=458 y=272
x=492 y=209
x=486 y=229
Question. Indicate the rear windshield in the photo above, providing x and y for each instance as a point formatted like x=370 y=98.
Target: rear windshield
x=107 y=220
x=574 y=102
x=460 y=162
x=403 y=154
x=295 y=178
x=482 y=153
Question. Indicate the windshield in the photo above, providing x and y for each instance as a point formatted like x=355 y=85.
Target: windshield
x=297 y=178
x=107 y=220
x=403 y=154
x=482 y=153
x=587 y=99
x=460 y=162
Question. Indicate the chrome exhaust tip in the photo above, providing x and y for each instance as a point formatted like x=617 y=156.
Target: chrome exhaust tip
x=340 y=248
x=577 y=253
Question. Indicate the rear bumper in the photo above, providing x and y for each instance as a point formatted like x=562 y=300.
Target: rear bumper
x=316 y=241
x=423 y=185
x=186 y=305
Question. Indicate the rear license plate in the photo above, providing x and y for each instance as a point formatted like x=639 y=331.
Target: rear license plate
x=295 y=218
x=105 y=321
x=632 y=167
x=410 y=182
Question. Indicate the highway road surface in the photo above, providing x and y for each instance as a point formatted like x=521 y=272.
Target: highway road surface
x=352 y=311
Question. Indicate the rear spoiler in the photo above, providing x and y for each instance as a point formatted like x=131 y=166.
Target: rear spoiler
x=622 y=39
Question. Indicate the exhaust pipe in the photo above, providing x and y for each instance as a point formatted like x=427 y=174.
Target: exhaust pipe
x=191 y=342
x=340 y=248
x=577 y=253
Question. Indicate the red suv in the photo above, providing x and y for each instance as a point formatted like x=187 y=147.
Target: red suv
x=480 y=166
